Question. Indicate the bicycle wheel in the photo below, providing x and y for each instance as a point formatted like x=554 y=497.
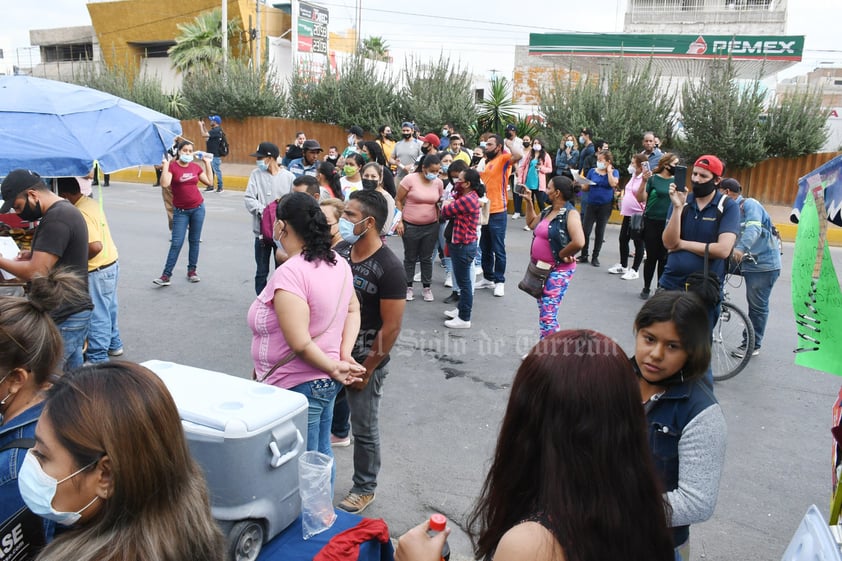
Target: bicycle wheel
x=727 y=358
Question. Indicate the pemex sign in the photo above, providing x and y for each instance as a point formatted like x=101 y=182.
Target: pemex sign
x=739 y=47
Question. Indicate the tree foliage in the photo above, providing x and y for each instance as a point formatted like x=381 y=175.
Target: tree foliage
x=619 y=105
x=496 y=110
x=796 y=125
x=375 y=48
x=247 y=91
x=357 y=94
x=437 y=92
x=722 y=118
x=199 y=46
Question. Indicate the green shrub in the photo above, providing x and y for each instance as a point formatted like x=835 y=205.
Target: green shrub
x=242 y=91
x=435 y=93
x=797 y=125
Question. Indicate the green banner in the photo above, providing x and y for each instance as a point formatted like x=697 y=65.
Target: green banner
x=772 y=47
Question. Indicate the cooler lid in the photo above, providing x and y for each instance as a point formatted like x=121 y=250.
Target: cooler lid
x=223 y=402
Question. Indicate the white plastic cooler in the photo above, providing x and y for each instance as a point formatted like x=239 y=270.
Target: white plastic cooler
x=247 y=437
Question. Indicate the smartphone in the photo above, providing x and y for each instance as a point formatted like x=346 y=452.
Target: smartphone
x=680 y=178
x=645 y=166
x=521 y=189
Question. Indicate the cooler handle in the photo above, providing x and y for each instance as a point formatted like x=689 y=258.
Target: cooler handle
x=278 y=459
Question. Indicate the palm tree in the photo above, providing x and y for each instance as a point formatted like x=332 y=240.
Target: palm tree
x=375 y=48
x=497 y=109
x=200 y=44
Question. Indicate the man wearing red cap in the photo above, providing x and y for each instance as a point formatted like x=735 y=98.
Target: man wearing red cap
x=702 y=219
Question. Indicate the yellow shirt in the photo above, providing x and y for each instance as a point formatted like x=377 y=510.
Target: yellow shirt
x=98 y=231
x=388 y=147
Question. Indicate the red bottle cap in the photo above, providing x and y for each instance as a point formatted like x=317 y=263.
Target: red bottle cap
x=438 y=522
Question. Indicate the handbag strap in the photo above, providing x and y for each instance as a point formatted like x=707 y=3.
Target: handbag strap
x=286 y=359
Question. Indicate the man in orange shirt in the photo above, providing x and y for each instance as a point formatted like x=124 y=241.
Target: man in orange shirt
x=495 y=176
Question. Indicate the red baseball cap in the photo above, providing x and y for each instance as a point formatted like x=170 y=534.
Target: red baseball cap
x=710 y=163
x=431 y=139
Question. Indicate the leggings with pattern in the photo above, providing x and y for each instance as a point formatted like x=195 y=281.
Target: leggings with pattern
x=554 y=290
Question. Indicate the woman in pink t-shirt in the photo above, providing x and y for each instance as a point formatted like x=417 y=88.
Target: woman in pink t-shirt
x=183 y=176
x=632 y=228
x=306 y=320
x=418 y=199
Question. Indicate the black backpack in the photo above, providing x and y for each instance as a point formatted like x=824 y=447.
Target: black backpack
x=223 y=145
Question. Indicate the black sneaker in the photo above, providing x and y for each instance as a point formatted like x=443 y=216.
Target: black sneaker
x=451 y=298
x=595 y=261
x=740 y=352
x=582 y=259
x=207 y=189
x=644 y=294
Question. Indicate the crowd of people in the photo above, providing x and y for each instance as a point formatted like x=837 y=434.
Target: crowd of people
x=325 y=321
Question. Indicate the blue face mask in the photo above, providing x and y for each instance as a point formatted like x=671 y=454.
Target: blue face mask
x=581 y=140
x=38 y=490
x=346 y=230
x=262 y=165
x=430 y=176
x=185 y=158
x=569 y=144
x=445 y=167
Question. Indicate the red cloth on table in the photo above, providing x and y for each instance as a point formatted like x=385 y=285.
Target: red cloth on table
x=347 y=544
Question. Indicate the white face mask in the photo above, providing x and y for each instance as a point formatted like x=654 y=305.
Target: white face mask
x=632 y=169
x=39 y=489
x=536 y=147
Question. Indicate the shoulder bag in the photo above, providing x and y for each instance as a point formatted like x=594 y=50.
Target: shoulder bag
x=706 y=285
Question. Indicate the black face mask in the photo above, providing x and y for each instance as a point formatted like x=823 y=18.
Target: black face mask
x=701 y=190
x=670 y=169
x=369 y=184
x=407 y=134
x=29 y=213
x=475 y=160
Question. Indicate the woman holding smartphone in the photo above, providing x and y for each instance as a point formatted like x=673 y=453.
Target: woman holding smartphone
x=656 y=196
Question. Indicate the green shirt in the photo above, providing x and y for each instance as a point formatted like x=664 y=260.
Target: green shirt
x=658 y=201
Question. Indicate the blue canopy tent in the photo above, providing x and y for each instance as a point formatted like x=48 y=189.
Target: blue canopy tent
x=59 y=129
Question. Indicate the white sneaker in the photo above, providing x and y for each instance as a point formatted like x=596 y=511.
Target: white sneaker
x=527 y=228
x=417 y=277
x=484 y=283
x=454 y=313
x=410 y=296
x=617 y=269
x=457 y=323
x=631 y=274
x=515 y=216
x=448 y=280
x=428 y=294
x=499 y=289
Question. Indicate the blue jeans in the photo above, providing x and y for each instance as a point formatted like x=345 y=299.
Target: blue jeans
x=493 y=245
x=104 y=333
x=758 y=289
x=341 y=425
x=182 y=220
x=262 y=255
x=216 y=166
x=73 y=332
x=462 y=256
x=320 y=395
x=442 y=243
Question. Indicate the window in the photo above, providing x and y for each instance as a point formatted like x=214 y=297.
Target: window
x=155 y=50
x=479 y=95
x=71 y=52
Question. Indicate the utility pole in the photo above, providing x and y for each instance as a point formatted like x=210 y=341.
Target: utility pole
x=258 y=37
x=224 y=37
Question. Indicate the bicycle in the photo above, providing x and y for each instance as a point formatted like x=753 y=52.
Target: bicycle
x=732 y=341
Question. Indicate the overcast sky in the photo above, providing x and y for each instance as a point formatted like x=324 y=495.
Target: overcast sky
x=483 y=38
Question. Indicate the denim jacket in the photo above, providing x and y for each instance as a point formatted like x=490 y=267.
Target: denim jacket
x=756 y=238
x=22 y=426
x=666 y=418
x=563 y=161
x=555 y=229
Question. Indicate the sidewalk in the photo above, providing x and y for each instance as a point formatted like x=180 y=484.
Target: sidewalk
x=235 y=178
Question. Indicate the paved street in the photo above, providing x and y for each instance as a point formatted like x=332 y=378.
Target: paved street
x=446 y=391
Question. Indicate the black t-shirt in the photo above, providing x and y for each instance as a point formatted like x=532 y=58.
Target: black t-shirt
x=379 y=277
x=212 y=143
x=62 y=232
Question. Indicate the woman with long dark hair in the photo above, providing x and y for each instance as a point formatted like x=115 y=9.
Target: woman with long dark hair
x=183 y=176
x=656 y=195
x=604 y=179
x=463 y=211
x=375 y=154
x=685 y=423
x=306 y=320
x=418 y=198
x=329 y=179
x=111 y=462
x=558 y=235
x=572 y=476
x=30 y=354
x=533 y=170
x=373 y=175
